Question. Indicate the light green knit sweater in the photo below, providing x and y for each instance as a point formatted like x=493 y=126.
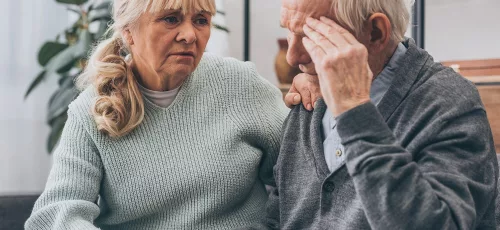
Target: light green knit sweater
x=199 y=164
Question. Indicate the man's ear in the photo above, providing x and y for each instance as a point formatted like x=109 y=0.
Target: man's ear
x=128 y=37
x=380 y=30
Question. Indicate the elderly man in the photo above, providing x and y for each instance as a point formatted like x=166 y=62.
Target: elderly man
x=396 y=142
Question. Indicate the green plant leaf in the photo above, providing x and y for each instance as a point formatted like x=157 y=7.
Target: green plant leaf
x=99 y=14
x=84 y=43
x=61 y=99
x=103 y=5
x=74 y=2
x=219 y=27
x=35 y=83
x=49 y=50
x=66 y=59
x=102 y=31
x=56 y=131
x=78 y=12
x=63 y=61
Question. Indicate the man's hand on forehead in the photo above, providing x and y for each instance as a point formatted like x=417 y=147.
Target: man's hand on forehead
x=341 y=63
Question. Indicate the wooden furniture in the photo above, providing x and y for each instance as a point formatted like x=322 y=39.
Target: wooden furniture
x=486 y=75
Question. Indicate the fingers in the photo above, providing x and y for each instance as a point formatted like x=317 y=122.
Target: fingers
x=317 y=53
x=292 y=99
x=301 y=86
x=310 y=85
x=315 y=94
x=331 y=34
x=341 y=30
x=306 y=99
x=319 y=40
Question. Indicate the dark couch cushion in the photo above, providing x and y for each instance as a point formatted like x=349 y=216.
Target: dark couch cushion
x=15 y=210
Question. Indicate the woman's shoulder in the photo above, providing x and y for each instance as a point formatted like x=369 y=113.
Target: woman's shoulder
x=226 y=65
x=242 y=81
x=233 y=71
x=81 y=107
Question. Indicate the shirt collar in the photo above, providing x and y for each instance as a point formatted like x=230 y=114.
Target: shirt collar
x=384 y=80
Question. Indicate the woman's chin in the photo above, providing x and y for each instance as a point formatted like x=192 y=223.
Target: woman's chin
x=183 y=71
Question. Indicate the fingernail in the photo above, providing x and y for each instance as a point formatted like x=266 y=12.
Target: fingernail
x=309 y=107
x=314 y=105
x=309 y=20
x=302 y=68
x=296 y=98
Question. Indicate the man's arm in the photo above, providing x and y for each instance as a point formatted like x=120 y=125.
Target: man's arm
x=449 y=185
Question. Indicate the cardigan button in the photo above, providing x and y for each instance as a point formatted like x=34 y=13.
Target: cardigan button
x=329 y=187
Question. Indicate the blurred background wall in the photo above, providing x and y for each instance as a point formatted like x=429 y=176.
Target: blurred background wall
x=25 y=25
x=462 y=29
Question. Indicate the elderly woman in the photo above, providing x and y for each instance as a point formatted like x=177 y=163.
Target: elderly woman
x=163 y=136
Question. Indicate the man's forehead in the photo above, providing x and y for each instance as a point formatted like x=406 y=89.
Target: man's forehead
x=295 y=12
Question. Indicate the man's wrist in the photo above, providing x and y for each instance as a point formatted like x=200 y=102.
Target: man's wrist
x=342 y=108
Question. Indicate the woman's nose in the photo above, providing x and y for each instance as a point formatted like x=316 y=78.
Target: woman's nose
x=187 y=33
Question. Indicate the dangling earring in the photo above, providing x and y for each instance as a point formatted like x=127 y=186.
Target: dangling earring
x=128 y=58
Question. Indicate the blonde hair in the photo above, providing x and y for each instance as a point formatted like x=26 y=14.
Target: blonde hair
x=119 y=107
x=353 y=13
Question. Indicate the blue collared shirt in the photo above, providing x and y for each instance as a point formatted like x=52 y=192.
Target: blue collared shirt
x=333 y=149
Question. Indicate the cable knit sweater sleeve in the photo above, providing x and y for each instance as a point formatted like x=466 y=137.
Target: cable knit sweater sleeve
x=68 y=201
x=269 y=113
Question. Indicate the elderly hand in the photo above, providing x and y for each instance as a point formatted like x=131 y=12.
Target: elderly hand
x=305 y=89
x=341 y=63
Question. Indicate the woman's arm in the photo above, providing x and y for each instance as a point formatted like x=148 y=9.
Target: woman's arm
x=71 y=192
x=269 y=115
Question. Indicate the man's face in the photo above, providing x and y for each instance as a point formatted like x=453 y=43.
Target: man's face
x=293 y=17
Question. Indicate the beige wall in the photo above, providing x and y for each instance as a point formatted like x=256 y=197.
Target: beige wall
x=463 y=29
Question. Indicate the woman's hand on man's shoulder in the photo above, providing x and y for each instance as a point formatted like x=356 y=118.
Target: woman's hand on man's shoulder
x=305 y=89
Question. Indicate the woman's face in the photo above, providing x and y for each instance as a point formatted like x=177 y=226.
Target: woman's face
x=169 y=43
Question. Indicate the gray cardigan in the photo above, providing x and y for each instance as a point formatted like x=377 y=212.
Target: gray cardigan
x=422 y=159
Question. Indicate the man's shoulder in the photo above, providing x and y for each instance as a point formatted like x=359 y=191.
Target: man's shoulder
x=453 y=84
x=443 y=87
x=300 y=122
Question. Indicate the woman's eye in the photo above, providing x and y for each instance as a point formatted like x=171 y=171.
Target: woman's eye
x=202 y=21
x=171 y=20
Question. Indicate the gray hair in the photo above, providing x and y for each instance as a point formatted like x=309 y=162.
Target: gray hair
x=353 y=13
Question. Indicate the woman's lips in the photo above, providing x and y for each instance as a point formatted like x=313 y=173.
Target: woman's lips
x=183 y=54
